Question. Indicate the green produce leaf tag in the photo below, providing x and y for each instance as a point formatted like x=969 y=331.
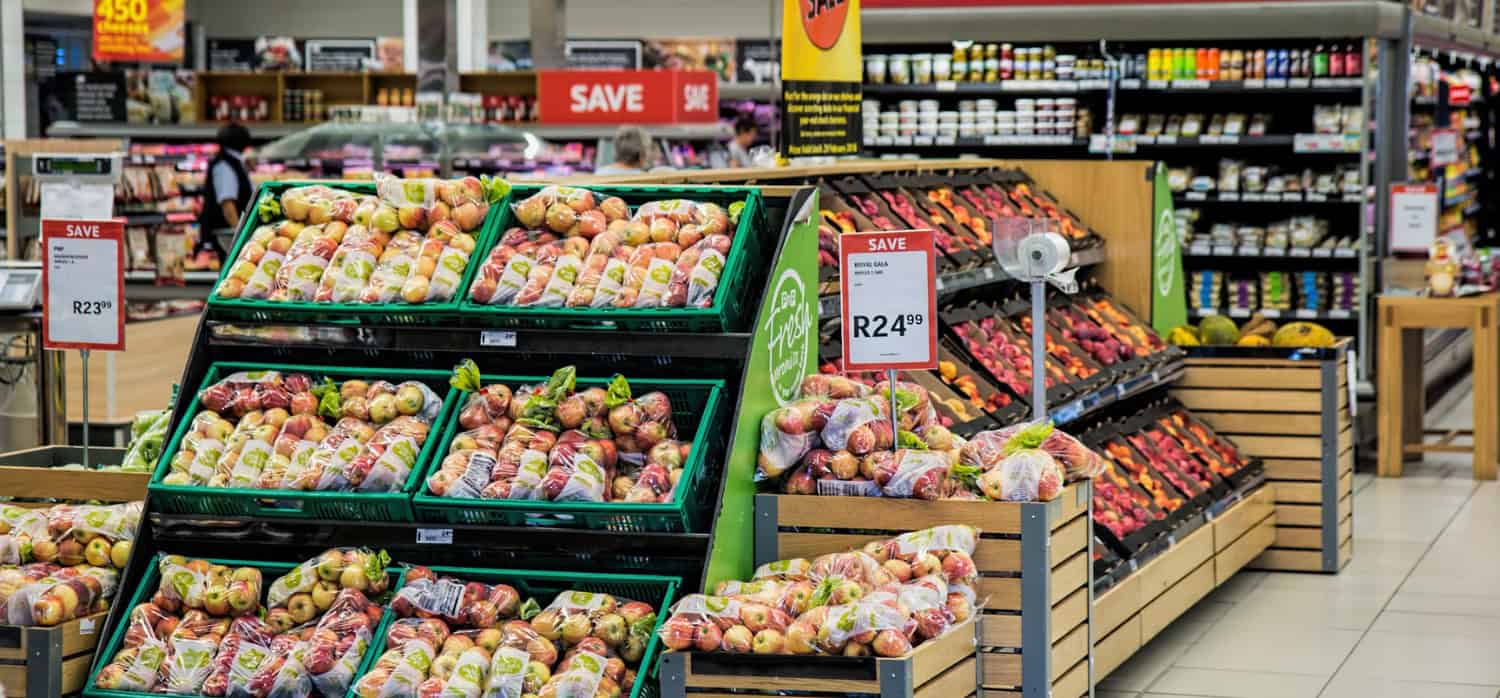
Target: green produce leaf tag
x=466 y=376
x=618 y=393
x=1030 y=437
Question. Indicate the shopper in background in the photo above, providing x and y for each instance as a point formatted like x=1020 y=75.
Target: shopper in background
x=229 y=186
x=745 y=133
x=632 y=149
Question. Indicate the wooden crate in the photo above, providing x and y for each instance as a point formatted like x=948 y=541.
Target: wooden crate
x=1290 y=408
x=32 y=474
x=48 y=662
x=942 y=668
x=1033 y=558
x=1137 y=608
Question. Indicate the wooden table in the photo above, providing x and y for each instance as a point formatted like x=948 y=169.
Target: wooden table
x=1399 y=391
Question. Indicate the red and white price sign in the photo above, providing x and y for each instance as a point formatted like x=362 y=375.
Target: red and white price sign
x=888 y=281
x=83 y=284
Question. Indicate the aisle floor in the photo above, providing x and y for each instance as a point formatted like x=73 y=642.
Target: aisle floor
x=1415 y=614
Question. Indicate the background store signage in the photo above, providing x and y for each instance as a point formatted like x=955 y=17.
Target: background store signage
x=754 y=62
x=1446 y=146
x=628 y=96
x=337 y=55
x=1459 y=94
x=138 y=31
x=83 y=284
x=1414 y=217
x=1168 y=297
x=604 y=55
x=889 y=300
x=821 y=73
x=96 y=96
x=231 y=54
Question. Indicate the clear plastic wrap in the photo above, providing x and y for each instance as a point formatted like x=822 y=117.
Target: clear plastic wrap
x=909 y=473
x=466 y=604
x=1078 y=461
x=507 y=673
x=786 y=435
x=361 y=569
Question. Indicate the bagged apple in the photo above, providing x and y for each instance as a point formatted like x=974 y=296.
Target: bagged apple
x=352 y=265
x=575 y=616
x=467 y=604
x=792 y=569
x=57 y=599
x=947 y=551
x=912 y=473
x=559 y=208
x=188 y=665
x=323 y=467
x=388 y=457
x=507 y=673
x=136 y=667
x=246 y=632
x=361 y=569
x=792 y=597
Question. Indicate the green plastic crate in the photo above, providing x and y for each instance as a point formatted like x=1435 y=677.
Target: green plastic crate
x=733 y=304
x=544 y=586
x=397 y=313
x=694 y=402
x=147 y=587
x=233 y=501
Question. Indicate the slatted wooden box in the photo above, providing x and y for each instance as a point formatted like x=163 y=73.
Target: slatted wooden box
x=40 y=662
x=1033 y=558
x=1289 y=407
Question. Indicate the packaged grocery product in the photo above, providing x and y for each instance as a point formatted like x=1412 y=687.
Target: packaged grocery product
x=360 y=569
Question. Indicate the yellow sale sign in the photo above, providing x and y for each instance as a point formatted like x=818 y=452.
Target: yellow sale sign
x=821 y=71
x=138 y=31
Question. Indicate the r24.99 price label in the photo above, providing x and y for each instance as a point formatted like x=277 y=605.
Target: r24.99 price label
x=885 y=325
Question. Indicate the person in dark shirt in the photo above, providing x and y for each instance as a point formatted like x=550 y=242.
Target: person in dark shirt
x=228 y=191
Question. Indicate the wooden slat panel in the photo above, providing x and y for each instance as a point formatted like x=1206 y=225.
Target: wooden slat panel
x=1306 y=538
x=1233 y=523
x=1346 y=485
x=1298 y=514
x=1280 y=446
x=1159 y=613
x=1068 y=614
x=1117 y=604
x=1068 y=651
x=1073 y=684
x=956 y=681
x=774 y=682
x=1293 y=469
x=1174 y=564
x=1069 y=576
x=1256 y=378
x=64 y=484
x=890 y=514
x=1000 y=630
x=1289 y=560
x=1241 y=552
x=1299 y=493
x=1068 y=540
x=931 y=659
x=1117 y=647
x=1000 y=593
x=1268 y=400
x=1293 y=423
x=1218 y=361
x=1070 y=503
x=75 y=673
x=1001 y=670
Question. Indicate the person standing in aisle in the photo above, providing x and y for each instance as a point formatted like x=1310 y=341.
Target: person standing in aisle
x=632 y=150
x=745 y=133
x=228 y=191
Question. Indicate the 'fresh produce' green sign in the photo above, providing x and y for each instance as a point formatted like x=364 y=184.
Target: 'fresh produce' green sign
x=1168 y=300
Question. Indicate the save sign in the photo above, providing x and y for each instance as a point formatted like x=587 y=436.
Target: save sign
x=83 y=284
x=889 y=300
x=627 y=96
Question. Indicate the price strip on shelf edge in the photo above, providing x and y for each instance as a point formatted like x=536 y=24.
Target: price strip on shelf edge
x=889 y=300
x=83 y=284
x=1445 y=147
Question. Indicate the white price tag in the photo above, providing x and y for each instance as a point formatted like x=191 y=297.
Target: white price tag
x=86 y=626
x=435 y=536
x=890 y=302
x=1414 y=216
x=83 y=284
x=1445 y=147
x=497 y=338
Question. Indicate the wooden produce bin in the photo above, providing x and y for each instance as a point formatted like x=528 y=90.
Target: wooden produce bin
x=1133 y=611
x=1033 y=558
x=943 y=668
x=32 y=474
x=1290 y=408
x=38 y=662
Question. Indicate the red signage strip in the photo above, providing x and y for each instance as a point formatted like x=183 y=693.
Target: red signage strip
x=627 y=96
x=888 y=284
x=83 y=284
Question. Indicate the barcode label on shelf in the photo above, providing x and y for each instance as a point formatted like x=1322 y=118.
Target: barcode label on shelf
x=1239 y=312
x=1298 y=83
x=1291 y=196
x=1270 y=312
x=1252 y=196
x=1200 y=250
x=1224 y=250
x=1190 y=84
x=883 y=140
x=1221 y=140
x=945 y=85
x=1229 y=196
x=1166 y=140
x=1248 y=251
x=1316 y=197
x=1299 y=252
x=1306 y=314
x=1323 y=252
x=921 y=140
x=1346 y=252
x=86 y=626
x=497 y=338
x=1156 y=84
x=945 y=140
x=901 y=140
x=1275 y=83
x=1195 y=196
x=435 y=536
x=1273 y=252
x=1255 y=84
x=1339 y=314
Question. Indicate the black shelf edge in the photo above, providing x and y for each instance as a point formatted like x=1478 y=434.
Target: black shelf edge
x=991 y=141
x=1090 y=403
x=1273 y=85
x=1263 y=253
x=1007 y=87
x=1314 y=315
x=1240 y=198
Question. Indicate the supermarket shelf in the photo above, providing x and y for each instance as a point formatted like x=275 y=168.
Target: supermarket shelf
x=975 y=141
x=1260 y=253
x=1315 y=85
x=1093 y=402
x=952 y=87
x=1316 y=315
x=682 y=132
x=1458 y=199
x=760 y=92
x=205 y=131
x=191 y=277
x=1199 y=141
x=1284 y=198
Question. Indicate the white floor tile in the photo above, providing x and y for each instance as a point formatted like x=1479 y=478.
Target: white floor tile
x=1306 y=650
x=1105 y=693
x=1487 y=605
x=1144 y=666
x=1348 y=684
x=1412 y=624
x=1237 y=684
x=1409 y=657
x=1272 y=607
x=1237 y=587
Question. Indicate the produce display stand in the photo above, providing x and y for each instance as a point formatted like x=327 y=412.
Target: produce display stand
x=36 y=473
x=46 y=662
x=1033 y=558
x=1290 y=408
x=942 y=668
x=1135 y=609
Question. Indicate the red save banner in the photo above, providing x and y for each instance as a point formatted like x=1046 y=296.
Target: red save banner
x=627 y=96
x=888 y=300
x=868 y=4
x=138 y=31
x=83 y=284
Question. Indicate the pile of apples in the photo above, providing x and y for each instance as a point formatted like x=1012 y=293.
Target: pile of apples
x=555 y=443
x=47 y=594
x=58 y=563
x=837 y=438
x=883 y=600
x=573 y=248
x=289 y=433
x=582 y=644
x=411 y=242
x=206 y=632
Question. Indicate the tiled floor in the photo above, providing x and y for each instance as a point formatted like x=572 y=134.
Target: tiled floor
x=1416 y=614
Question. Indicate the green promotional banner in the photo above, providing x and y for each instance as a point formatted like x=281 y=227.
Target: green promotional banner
x=783 y=350
x=1168 y=299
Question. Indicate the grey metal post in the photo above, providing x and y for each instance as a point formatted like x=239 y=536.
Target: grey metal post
x=1036 y=600
x=765 y=534
x=437 y=46
x=673 y=675
x=1038 y=351
x=549 y=34
x=1393 y=56
x=1329 y=374
x=1086 y=489
x=43 y=662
